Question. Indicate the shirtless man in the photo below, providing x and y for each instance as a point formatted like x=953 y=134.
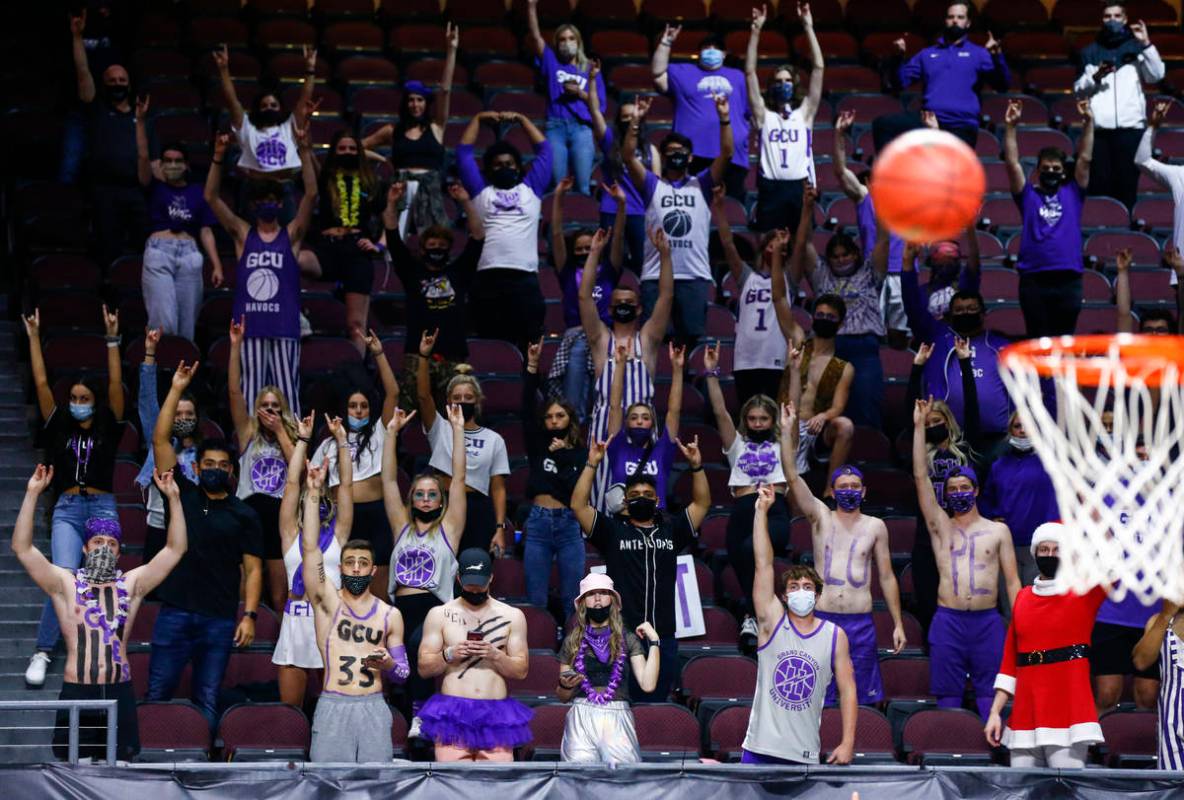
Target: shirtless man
x=477 y=643
x=844 y=542
x=96 y=607
x=967 y=633
x=362 y=637
x=827 y=378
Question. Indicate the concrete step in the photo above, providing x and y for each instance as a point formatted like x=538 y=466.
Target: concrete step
x=14 y=681
x=19 y=612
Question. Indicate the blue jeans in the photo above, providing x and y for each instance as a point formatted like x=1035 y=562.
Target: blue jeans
x=172 y=283
x=577 y=382
x=553 y=534
x=867 y=388
x=67 y=535
x=689 y=318
x=571 y=140
x=634 y=238
x=180 y=637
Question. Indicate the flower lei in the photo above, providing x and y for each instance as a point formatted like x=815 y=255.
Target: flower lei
x=615 y=677
x=84 y=595
x=351 y=206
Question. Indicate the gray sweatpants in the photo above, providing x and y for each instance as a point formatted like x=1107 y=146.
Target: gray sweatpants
x=347 y=728
x=600 y=733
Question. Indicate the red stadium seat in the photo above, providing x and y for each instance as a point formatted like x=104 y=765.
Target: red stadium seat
x=666 y=732
x=1009 y=14
x=774 y=47
x=1032 y=141
x=893 y=14
x=726 y=732
x=170 y=351
x=1154 y=214
x=945 y=736
x=133 y=525
x=284 y=34
x=366 y=71
x=675 y=12
x=1002 y=212
x=882 y=44
x=431 y=72
x=1036 y=46
x=873 y=735
x=509 y=579
x=620 y=45
x=495 y=356
x=1097 y=320
x=897 y=363
x=1006 y=320
x=1130 y=739
x=541 y=678
x=69 y=354
x=172 y=731
x=129 y=440
x=264 y=732
x=912 y=630
x=417 y=39
x=726 y=679
x=141 y=632
x=1051 y=79
x=1034 y=112
x=470 y=13
x=541 y=631
x=869 y=106
x=267 y=625
x=905 y=678
x=320 y=354
x=826 y=13
x=490 y=43
x=1096 y=287
x=546 y=727
x=1143 y=247
x=1151 y=287
x=721 y=635
x=848 y=78
x=210 y=32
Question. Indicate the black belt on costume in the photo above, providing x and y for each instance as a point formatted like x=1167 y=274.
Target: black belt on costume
x=1053 y=656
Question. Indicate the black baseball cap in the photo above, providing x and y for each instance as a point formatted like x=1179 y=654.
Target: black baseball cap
x=475 y=567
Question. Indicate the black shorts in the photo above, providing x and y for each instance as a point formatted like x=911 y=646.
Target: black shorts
x=268 y=509
x=1110 y=651
x=778 y=205
x=92 y=733
x=372 y=524
x=344 y=262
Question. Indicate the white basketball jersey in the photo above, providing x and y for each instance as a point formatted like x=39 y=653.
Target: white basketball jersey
x=759 y=341
x=793 y=673
x=685 y=215
x=787 y=152
x=511 y=218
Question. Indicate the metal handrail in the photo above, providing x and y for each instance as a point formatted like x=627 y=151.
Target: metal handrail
x=110 y=707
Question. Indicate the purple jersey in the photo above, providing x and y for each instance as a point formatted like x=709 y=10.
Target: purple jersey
x=179 y=209
x=866 y=217
x=569 y=280
x=1051 y=236
x=1130 y=612
x=634 y=203
x=624 y=455
x=267 y=291
x=561 y=105
x=695 y=117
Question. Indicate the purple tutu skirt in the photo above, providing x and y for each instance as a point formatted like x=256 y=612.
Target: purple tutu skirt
x=475 y=724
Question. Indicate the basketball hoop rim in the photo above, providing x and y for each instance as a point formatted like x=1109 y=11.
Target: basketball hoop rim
x=1143 y=355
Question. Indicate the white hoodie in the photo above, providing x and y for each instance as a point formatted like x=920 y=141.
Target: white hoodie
x=1117 y=100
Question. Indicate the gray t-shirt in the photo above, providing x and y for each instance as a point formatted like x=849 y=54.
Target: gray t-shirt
x=485 y=453
x=598 y=673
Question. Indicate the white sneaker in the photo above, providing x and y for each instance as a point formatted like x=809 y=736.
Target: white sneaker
x=414 y=731
x=305 y=326
x=35 y=673
x=748 y=632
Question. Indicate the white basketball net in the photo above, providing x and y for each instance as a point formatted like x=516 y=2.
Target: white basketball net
x=1123 y=516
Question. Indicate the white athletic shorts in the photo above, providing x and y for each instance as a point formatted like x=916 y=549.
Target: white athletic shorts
x=297 y=644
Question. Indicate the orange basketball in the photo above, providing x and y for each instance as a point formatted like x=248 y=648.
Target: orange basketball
x=927 y=185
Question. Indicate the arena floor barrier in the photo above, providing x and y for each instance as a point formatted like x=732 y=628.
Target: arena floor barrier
x=533 y=781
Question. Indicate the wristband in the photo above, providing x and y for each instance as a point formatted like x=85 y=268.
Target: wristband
x=712 y=373
x=401 y=669
x=215 y=161
x=697 y=469
x=589 y=465
x=447 y=655
x=380 y=247
x=305 y=439
x=311 y=72
x=652 y=644
x=114 y=344
x=254 y=615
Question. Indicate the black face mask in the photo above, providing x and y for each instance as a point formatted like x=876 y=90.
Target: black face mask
x=1114 y=33
x=599 y=615
x=116 y=94
x=954 y=33
x=356 y=584
x=825 y=328
x=504 y=177
x=435 y=257
x=678 y=160
x=966 y=323
x=269 y=118
x=430 y=515
x=474 y=598
x=1050 y=181
x=559 y=433
x=468 y=410
x=214 y=480
x=936 y=434
x=765 y=435
x=624 y=313
x=347 y=160
x=641 y=508
x=1048 y=565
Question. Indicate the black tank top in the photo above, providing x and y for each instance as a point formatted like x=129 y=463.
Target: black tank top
x=422 y=153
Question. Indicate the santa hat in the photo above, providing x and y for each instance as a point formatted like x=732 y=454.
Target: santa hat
x=1048 y=532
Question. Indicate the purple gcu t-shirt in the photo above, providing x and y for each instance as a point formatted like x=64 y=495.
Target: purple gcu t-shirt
x=180 y=209
x=624 y=456
x=695 y=116
x=569 y=280
x=1130 y=612
x=1051 y=237
x=866 y=217
x=560 y=105
x=267 y=291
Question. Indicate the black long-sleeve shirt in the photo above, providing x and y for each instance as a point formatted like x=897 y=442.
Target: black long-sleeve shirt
x=554 y=473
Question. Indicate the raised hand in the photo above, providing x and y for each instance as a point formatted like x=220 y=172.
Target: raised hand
x=399 y=421
x=110 y=321
x=923 y=354
x=1139 y=30
x=1015 y=110
x=534 y=351
x=994 y=47
x=921 y=411
x=395 y=193
x=717 y=197
x=183 y=375
x=764 y=498
x=621 y=354
x=1159 y=113
x=721 y=105
x=427 y=341
x=616 y=191
x=690 y=451
x=711 y=356
x=315 y=479
x=759 y=15
x=807 y=18
x=659 y=240
x=452 y=36
x=222 y=58
x=1086 y=111
x=596 y=452
x=593 y=69
x=142 y=104
x=846 y=120
x=795 y=357
x=336 y=429
x=221 y=143
x=458 y=192
x=1123 y=259
x=310 y=58
x=789 y=417
x=810 y=195
x=564 y=185
x=304 y=426
x=33 y=324
x=929 y=120
x=151 y=340
x=1174 y=259
x=781 y=238
x=78 y=23
x=373 y=343
x=165 y=483
x=238 y=330
x=599 y=240
x=961 y=347
x=670 y=34
x=641 y=107
x=40 y=480
x=678 y=356
x=456 y=417
x=901 y=45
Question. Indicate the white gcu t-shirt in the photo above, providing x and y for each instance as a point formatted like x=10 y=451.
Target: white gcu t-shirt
x=511 y=218
x=268 y=149
x=485 y=453
x=787 y=152
x=759 y=341
x=683 y=211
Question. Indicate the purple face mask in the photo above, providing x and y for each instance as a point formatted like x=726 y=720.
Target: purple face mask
x=959 y=502
x=849 y=499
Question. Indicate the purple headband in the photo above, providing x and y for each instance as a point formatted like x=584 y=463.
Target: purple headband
x=962 y=472
x=417 y=87
x=103 y=526
x=846 y=469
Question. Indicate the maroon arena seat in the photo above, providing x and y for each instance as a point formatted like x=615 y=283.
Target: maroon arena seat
x=946 y=736
x=264 y=732
x=509 y=579
x=1034 y=112
x=1130 y=738
x=547 y=726
x=868 y=106
x=172 y=731
x=539 y=684
x=666 y=732
x=1105 y=244
x=722 y=632
x=541 y=631
x=912 y=630
x=1032 y=140
x=321 y=354
x=905 y=678
x=718 y=678
x=726 y=732
x=873 y=735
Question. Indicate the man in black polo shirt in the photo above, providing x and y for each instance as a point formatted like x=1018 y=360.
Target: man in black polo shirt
x=640 y=550
x=436 y=286
x=200 y=597
x=117 y=201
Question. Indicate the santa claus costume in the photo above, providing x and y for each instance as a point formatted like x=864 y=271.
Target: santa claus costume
x=1045 y=668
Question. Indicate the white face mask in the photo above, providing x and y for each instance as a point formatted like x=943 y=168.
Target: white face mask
x=801 y=602
x=568 y=49
x=1021 y=443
